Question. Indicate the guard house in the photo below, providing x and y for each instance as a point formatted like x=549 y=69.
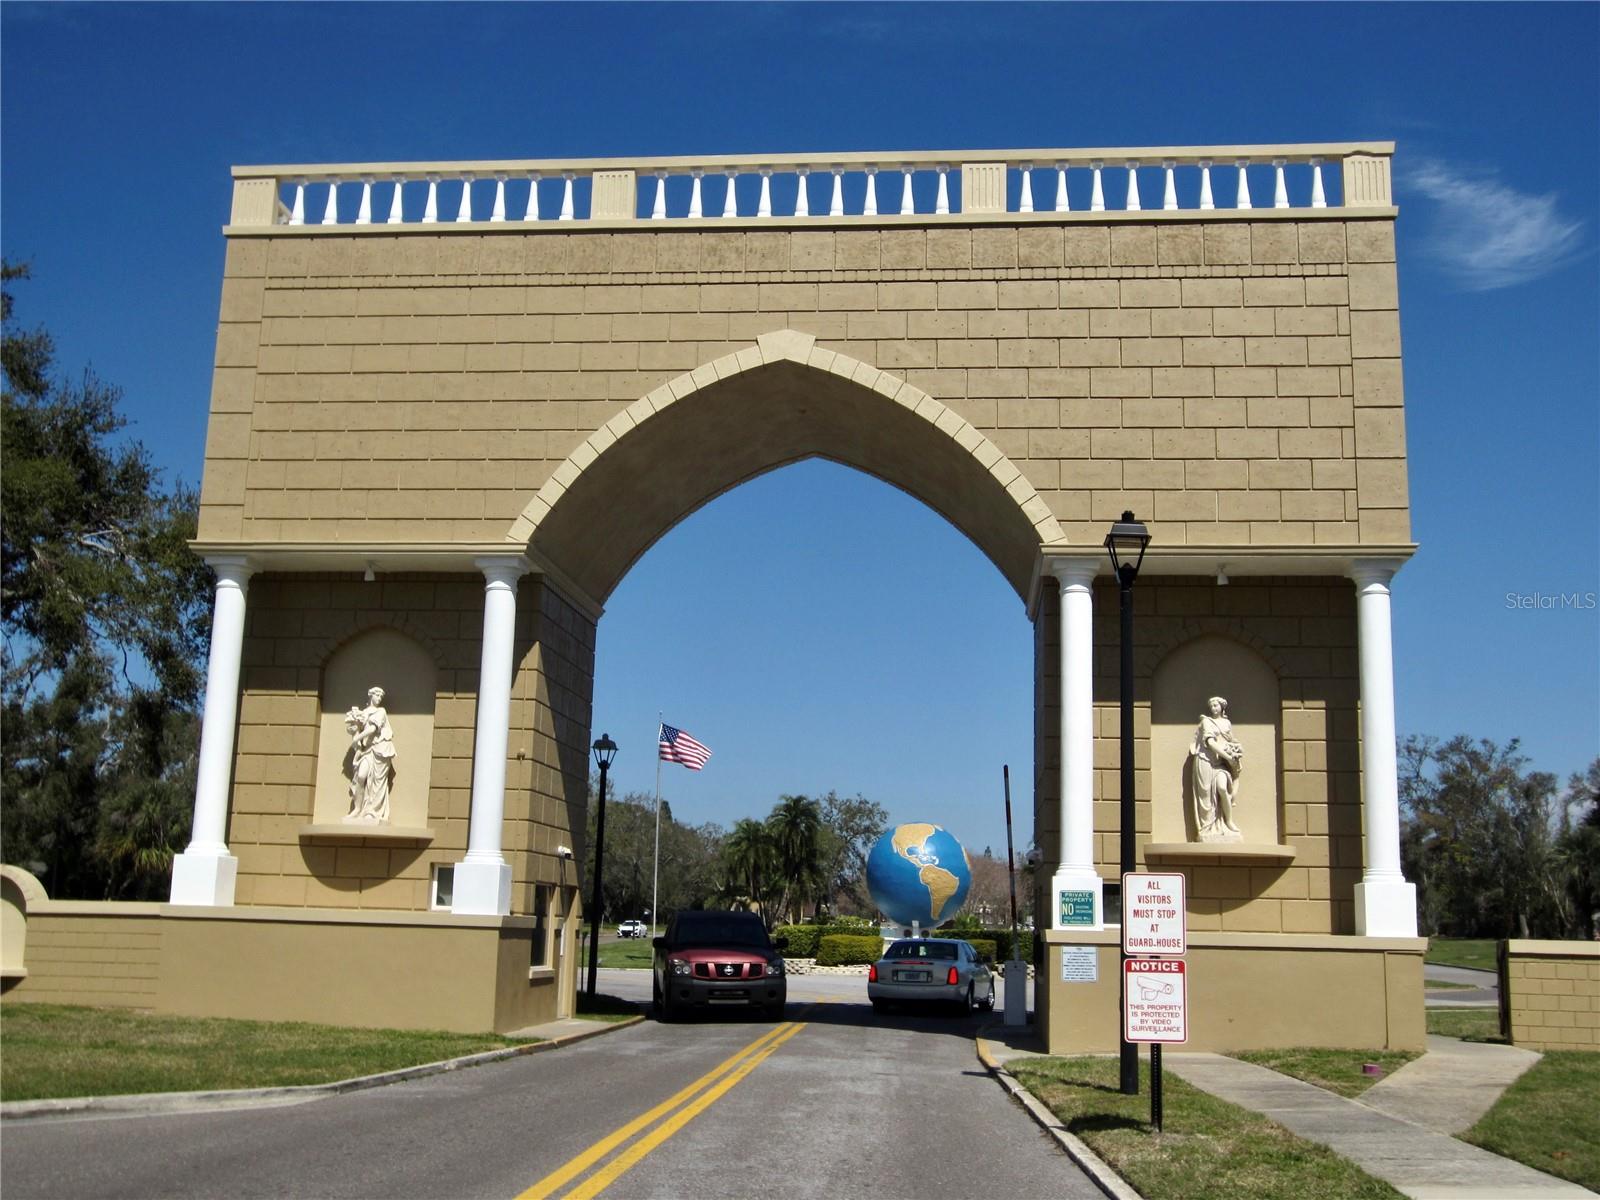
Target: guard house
x=454 y=402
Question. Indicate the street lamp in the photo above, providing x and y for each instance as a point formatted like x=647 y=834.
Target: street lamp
x=1126 y=543
x=604 y=751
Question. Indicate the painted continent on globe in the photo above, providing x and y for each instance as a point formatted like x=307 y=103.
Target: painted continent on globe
x=918 y=874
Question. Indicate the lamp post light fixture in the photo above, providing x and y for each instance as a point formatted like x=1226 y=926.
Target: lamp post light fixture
x=604 y=751
x=1126 y=544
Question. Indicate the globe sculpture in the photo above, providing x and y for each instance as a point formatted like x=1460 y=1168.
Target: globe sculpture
x=918 y=875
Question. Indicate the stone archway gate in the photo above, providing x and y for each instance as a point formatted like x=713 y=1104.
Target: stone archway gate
x=456 y=401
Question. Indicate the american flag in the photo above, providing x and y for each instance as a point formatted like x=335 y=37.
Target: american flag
x=677 y=746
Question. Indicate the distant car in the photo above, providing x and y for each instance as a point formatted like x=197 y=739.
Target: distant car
x=633 y=929
x=711 y=959
x=931 y=970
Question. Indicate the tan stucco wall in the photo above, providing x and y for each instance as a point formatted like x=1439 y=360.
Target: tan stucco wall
x=1305 y=629
x=105 y=954
x=294 y=623
x=1553 y=994
x=1253 y=991
x=1236 y=381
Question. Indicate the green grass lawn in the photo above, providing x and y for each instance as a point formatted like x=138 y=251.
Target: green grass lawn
x=1337 y=1070
x=1444 y=985
x=1549 y=1118
x=1469 y=1024
x=1477 y=953
x=1209 y=1149
x=630 y=952
x=55 y=1050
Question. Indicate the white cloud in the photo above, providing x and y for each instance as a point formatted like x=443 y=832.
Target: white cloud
x=1489 y=235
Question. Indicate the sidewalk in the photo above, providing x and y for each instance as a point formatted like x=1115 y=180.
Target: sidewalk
x=1399 y=1132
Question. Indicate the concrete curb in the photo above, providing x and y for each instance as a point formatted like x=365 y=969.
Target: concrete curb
x=1107 y=1180
x=169 y=1102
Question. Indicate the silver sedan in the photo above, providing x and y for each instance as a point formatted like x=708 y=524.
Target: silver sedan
x=941 y=970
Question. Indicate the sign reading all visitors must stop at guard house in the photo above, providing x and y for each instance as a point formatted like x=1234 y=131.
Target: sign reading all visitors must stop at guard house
x=1153 y=917
x=1155 y=1003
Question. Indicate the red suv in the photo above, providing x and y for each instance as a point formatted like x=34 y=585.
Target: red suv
x=710 y=959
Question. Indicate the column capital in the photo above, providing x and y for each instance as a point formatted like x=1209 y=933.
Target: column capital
x=231 y=568
x=1077 y=570
x=502 y=568
x=1368 y=571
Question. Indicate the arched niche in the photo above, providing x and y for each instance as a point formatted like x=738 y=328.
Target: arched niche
x=408 y=676
x=1206 y=666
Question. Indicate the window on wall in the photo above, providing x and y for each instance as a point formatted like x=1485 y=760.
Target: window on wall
x=442 y=886
x=539 y=952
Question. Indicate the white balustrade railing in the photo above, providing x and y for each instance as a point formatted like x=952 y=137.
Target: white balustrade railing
x=818 y=188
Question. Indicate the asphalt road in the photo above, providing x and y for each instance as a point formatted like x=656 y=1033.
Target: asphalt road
x=835 y=1101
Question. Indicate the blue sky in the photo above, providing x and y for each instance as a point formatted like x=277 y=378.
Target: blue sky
x=858 y=643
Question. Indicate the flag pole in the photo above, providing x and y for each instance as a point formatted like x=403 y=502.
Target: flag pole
x=655 y=861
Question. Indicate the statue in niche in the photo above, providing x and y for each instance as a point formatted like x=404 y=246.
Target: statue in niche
x=1214 y=762
x=371 y=760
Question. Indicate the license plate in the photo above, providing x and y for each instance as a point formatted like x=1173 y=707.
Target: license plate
x=911 y=976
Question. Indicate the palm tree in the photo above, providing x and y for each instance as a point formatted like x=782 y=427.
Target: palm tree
x=749 y=859
x=795 y=826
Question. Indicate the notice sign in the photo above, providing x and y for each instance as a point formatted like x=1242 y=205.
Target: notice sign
x=1079 y=964
x=1155 y=1004
x=1153 y=920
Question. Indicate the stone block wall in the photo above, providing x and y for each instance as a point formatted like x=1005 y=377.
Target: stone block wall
x=1551 y=991
x=104 y=954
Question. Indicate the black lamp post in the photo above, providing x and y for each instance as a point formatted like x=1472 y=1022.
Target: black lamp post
x=1126 y=543
x=604 y=751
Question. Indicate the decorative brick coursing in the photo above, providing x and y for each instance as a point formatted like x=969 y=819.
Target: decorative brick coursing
x=1553 y=994
x=1305 y=629
x=109 y=959
x=293 y=624
x=1240 y=383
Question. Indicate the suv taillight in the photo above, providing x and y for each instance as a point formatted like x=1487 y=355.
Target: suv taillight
x=952 y=979
x=872 y=973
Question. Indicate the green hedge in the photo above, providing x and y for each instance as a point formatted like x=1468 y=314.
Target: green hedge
x=847 y=949
x=998 y=940
x=803 y=939
x=983 y=945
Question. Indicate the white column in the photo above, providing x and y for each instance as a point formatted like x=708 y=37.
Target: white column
x=1386 y=905
x=1075 y=871
x=482 y=884
x=205 y=873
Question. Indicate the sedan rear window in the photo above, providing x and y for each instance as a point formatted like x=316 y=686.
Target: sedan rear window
x=920 y=949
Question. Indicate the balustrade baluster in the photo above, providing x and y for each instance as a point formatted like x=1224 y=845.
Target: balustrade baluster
x=430 y=210
x=464 y=210
x=330 y=214
x=396 y=214
x=694 y=195
x=1133 y=187
x=802 y=204
x=869 y=207
x=297 y=211
x=942 y=204
x=658 y=210
x=764 y=204
x=364 y=213
x=1097 y=201
x=531 y=213
x=1025 y=198
x=730 y=198
x=836 y=205
x=1244 y=187
x=1206 y=202
x=908 y=205
x=1062 y=203
x=1280 y=193
x=1319 y=198
x=1169 y=192
x=498 y=212
x=566 y=196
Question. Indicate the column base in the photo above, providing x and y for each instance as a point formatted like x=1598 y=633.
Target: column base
x=206 y=880
x=1386 y=908
x=481 y=889
x=1076 y=900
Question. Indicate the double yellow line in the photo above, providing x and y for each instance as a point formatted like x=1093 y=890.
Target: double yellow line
x=684 y=1107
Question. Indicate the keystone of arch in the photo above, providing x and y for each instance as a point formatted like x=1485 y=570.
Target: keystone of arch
x=789 y=346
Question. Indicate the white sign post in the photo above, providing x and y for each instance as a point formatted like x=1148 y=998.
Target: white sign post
x=1157 y=1002
x=1156 y=920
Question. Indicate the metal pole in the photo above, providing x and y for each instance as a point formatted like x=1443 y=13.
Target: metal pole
x=1130 y=1051
x=599 y=861
x=1011 y=861
x=655 y=858
x=1155 y=1085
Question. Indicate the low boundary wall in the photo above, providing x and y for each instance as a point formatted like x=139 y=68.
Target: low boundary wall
x=1550 y=994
